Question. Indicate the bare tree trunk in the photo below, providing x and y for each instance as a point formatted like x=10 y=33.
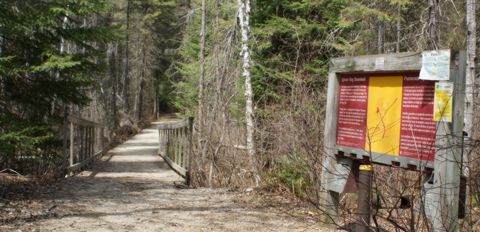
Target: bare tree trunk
x=126 y=80
x=111 y=58
x=244 y=18
x=432 y=24
x=399 y=28
x=139 y=98
x=155 y=101
x=139 y=101
x=381 y=37
x=201 y=85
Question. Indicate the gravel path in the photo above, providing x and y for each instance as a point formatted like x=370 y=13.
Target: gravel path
x=132 y=189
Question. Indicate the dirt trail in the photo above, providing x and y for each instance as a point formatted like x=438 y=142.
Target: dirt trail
x=132 y=189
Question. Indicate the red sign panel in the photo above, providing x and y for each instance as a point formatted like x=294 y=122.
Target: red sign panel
x=417 y=134
x=352 y=112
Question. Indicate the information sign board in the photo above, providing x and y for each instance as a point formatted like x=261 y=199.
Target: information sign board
x=387 y=114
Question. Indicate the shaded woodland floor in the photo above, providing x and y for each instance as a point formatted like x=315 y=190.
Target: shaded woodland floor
x=132 y=189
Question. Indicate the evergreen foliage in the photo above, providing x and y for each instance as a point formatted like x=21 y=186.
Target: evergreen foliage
x=37 y=77
x=294 y=41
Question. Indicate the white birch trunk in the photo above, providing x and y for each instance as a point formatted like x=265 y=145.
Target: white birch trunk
x=244 y=18
x=470 y=77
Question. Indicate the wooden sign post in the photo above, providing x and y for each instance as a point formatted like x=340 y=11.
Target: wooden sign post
x=380 y=111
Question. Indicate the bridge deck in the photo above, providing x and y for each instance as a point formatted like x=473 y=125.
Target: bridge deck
x=131 y=189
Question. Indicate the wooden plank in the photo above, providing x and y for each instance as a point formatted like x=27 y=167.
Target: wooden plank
x=92 y=141
x=169 y=144
x=92 y=146
x=185 y=147
x=102 y=140
x=175 y=145
x=190 y=147
x=162 y=141
x=83 y=122
x=173 y=125
x=180 y=146
x=448 y=156
x=329 y=200
x=81 y=164
x=72 y=143
x=364 y=182
x=181 y=171
x=87 y=142
x=407 y=61
x=82 y=143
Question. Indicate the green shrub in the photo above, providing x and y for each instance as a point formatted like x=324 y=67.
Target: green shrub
x=292 y=174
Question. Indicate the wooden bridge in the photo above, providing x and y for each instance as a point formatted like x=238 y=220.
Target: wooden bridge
x=86 y=144
x=132 y=188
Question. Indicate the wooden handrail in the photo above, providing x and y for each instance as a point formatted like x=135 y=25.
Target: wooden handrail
x=174 y=125
x=86 y=142
x=175 y=146
x=83 y=122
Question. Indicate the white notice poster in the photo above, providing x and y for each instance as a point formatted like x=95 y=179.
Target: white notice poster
x=435 y=65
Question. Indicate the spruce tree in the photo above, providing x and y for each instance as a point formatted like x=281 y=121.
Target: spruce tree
x=37 y=78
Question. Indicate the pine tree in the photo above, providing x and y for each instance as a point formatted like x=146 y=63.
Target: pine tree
x=35 y=71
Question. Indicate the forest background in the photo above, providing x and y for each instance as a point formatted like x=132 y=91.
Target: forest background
x=124 y=63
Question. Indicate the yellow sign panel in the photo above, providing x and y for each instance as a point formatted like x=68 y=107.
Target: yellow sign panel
x=384 y=115
x=442 y=106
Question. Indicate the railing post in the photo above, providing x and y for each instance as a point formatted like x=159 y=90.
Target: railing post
x=184 y=146
x=178 y=152
x=170 y=142
x=92 y=141
x=175 y=146
x=85 y=138
x=162 y=140
x=189 y=173
x=65 y=140
x=102 y=142
x=81 y=143
x=72 y=140
x=89 y=142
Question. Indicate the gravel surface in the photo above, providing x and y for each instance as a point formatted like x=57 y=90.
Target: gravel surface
x=132 y=189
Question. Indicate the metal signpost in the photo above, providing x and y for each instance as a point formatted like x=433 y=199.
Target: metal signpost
x=398 y=110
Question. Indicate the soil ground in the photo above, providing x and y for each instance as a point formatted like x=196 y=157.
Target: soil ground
x=132 y=189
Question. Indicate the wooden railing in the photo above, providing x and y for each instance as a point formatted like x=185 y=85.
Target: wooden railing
x=175 y=146
x=86 y=142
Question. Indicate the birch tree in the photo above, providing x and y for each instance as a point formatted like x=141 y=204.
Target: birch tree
x=470 y=81
x=244 y=19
